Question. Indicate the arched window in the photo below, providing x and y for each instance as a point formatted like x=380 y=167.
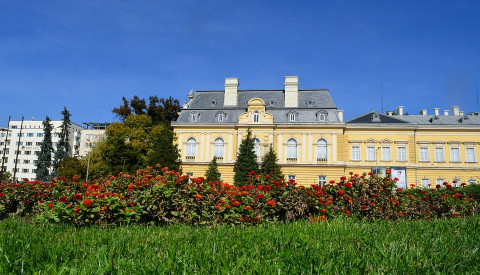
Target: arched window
x=191 y=147
x=220 y=117
x=321 y=149
x=256 y=116
x=291 y=117
x=322 y=116
x=291 y=149
x=218 y=148
x=256 y=147
x=194 y=116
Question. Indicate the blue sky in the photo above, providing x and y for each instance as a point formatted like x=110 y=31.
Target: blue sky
x=86 y=55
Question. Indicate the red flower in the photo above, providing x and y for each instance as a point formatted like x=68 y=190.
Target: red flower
x=77 y=197
x=218 y=206
x=341 y=192
x=457 y=195
x=130 y=187
x=248 y=207
x=228 y=206
x=198 y=196
x=259 y=196
x=347 y=212
x=250 y=186
x=77 y=210
x=87 y=202
x=455 y=214
x=131 y=203
x=50 y=205
x=236 y=203
x=62 y=199
x=322 y=218
x=104 y=207
x=388 y=171
x=364 y=207
x=343 y=178
x=270 y=203
x=323 y=211
x=348 y=185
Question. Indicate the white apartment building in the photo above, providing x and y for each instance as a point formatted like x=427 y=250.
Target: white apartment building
x=92 y=134
x=26 y=140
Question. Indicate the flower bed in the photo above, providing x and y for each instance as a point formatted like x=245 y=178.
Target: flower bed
x=161 y=196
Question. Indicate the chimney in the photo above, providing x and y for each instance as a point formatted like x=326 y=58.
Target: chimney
x=436 y=111
x=231 y=89
x=456 y=110
x=423 y=112
x=461 y=113
x=389 y=113
x=400 y=110
x=291 y=91
x=340 y=115
x=445 y=112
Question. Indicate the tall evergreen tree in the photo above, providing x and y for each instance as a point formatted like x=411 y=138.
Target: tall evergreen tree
x=46 y=150
x=63 y=146
x=246 y=160
x=162 y=148
x=270 y=164
x=212 y=173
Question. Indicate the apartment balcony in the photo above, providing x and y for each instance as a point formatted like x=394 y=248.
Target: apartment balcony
x=190 y=158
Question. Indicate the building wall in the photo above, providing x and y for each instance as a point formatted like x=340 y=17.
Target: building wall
x=32 y=136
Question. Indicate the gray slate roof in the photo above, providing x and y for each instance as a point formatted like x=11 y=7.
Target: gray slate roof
x=424 y=120
x=208 y=104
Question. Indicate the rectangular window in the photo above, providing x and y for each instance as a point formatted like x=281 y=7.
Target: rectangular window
x=26 y=161
x=39 y=134
x=5 y=160
x=322 y=180
x=439 y=155
x=15 y=170
x=456 y=182
x=472 y=181
x=291 y=177
x=370 y=153
x=19 y=152
x=440 y=182
x=470 y=153
x=35 y=161
x=423 y=154
x=355 y=152
x=24 y=170
x=28 y=152
x=454 y=155
x=425 y=183
x=401 y=154
x=29 y=134
x=38 y=143
x=29 y=143
x=19 y=143
x=386 y=154
x=34 y=171
x=20 y=134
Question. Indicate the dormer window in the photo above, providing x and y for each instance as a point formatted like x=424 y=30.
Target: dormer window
x=256 y=116
x=194 y=116
x=292 y=116
x=221 y=116
x=322 y=116
x=310 y=103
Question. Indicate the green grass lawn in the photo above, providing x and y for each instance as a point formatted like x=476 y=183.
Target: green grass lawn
x=338 y=246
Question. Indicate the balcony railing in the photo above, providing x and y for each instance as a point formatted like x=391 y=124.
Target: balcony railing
x=322 y=160
x=190 y=158
x=291 y=160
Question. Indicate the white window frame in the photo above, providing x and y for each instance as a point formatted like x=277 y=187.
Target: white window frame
x=401 y=153
x=292 y=177
x=256 y=116
x=220 y=117
x=386 y=153
x=218 y=146
x=191 y=147
x=470 y=154
x=439 y=154
x=292 y=116
x=440 y=182
x=355 y=152
x=256 y=147
x=322 y=152
x=425 y=183
x=292 y=149
x=424 y=154
x=454 y=154
x=322 y=180
x=371 y=153
x=458 y=182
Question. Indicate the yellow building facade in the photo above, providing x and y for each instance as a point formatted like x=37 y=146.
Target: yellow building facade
x=313 y=143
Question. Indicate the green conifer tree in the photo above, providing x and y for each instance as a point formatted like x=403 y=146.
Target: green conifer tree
x=246 y=160
x=63 y=146
x=45 y=155
x=212 y=173
x=270 y=164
